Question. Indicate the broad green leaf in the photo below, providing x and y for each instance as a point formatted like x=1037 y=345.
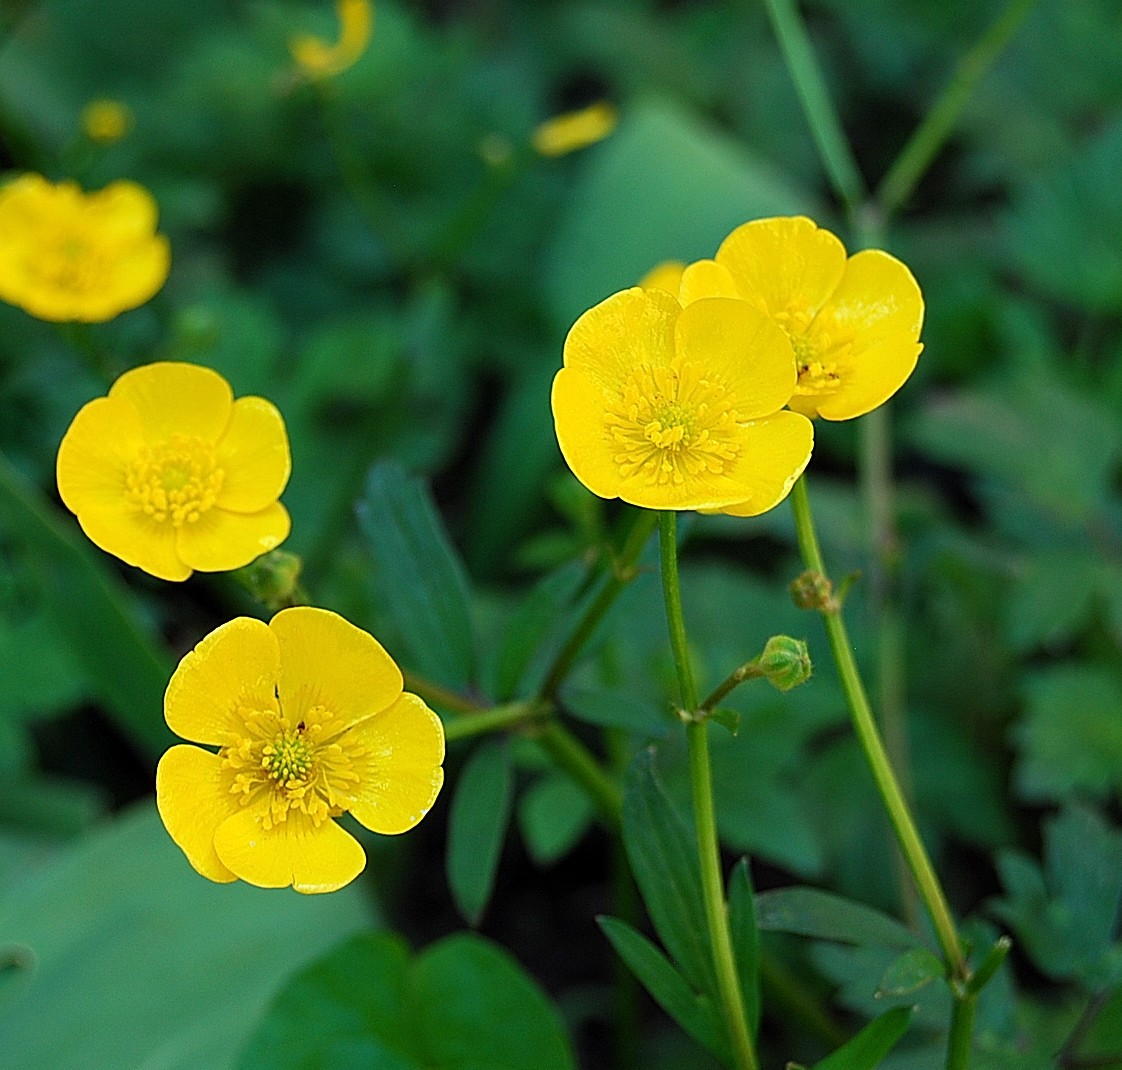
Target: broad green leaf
x=910 y=972
x=661 y=164
x=616 y=709
x=554 y=814
x=662 y=850
x=477 y=826
x=40 y=672
x=139 y=961
x=745 y=939
x=462 y=1003
x=873 y=1043
x=1051 y=599
x=419 y=575
x=668 y=988
x=128 y=669
x=825 y=916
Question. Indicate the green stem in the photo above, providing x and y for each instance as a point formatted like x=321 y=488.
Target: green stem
x=937 y=124
x=494 y=720
x=961 y=1036
x=748 y=671
x=701 y=784
x=867 y=733
x=438 y=695
x=572 y=757
x=825 y=125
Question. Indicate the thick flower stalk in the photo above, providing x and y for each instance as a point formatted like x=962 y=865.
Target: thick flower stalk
x=318 y=58
x=672 y=408
x=68 y=256
x=853 y=322
x=310 y=722
x=170 y=474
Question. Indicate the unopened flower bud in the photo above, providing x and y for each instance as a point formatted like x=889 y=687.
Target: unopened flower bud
x=274 y=579
x=812 y=590
x=785 y=662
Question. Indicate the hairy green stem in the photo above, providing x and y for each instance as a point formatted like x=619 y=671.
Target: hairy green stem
x=701 y=785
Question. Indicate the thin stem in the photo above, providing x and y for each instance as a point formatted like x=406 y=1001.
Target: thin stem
x=825 y=125
x=867 y=733
x=438 y=695
x=478 y=723
x=701 y=785
x=748 y=671
x=937 y=124
x=1068 y=1056
x=572 y=757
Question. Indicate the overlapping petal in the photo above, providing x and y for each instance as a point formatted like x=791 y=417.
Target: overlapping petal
x=222 y=540
x=172 y=398
x=194 y=799
x=135 y=539
x=254 y=454
x=781 y=446
x=95 y=452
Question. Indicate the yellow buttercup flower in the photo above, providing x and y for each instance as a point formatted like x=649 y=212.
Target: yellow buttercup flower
x=853 y=322
x=317 y=58
x=69 y=255
x=310 y=721
x=672 y=408
x=169 y=473
x=575 y=129
x=106 y=121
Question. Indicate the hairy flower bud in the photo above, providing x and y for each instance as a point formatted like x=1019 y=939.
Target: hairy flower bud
x=785 y=662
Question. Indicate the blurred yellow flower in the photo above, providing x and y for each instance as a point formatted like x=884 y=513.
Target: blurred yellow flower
x=106 y=121
x=69 y=255
x=853 y=323
x=311 y=721
x=317 y=58
x=169 y=473
x=673 y=408
x=575 y=129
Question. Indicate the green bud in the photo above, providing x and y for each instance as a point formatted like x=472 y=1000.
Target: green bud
x=785 y=662
x=273 y=579
x=812 y=590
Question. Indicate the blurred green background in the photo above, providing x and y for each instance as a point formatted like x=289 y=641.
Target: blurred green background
x=352 y=254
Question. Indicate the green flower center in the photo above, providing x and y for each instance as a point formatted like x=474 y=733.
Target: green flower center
x=288 y=758
x=177 y=481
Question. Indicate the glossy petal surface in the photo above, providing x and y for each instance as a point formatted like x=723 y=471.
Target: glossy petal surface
x=253 y=452
x=222 y=540
x=177 y=399
x=194 y=799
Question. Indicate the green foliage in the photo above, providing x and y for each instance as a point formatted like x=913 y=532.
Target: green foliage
x=871 y=1045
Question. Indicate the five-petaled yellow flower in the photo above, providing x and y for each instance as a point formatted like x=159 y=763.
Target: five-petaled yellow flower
x=673 y=408
x=853 y=323
x=68 y=255
x=575 y=129
x=310 y=721
x=170 y=473
x=317 y=58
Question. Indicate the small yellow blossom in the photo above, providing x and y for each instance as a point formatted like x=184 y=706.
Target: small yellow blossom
x=317 y=58
x=68 y=255
x=310 y=721
x=575 y=129
x=106 y=121
x=170 y=473
x=853 y=322
x=672 y=408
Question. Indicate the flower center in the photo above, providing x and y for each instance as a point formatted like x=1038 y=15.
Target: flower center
x=300 y=767
x=672 y=423
x=818 y=373
x=178 y=480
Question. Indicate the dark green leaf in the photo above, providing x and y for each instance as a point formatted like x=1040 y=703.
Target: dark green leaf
x=825 y=916
x=728 y=719
x=615 y=709
x=873 y=1043
x=745 y=939
x=910 y=972
x=419 y=575
x=477 y=826
x=668 y=988
x=554 y=814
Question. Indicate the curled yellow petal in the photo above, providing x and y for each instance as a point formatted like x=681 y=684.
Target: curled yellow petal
x=317 y=58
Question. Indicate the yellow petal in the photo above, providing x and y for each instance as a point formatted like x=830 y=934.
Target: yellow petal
x=136 y=273
x=666 y=276
x=127 y=533
x=123 y=210
x=626 y=330
x=194 y=800
x=575 y=129
x=177 y=399
x=406 y=746
x=742 y=348
x=705 y=278
x=776 y=450
x=784 y=265
x=94 y=453
x=220 y=540
x=294 y=852
x=254 y=455
x=870 y=378
x=327 y=661
x=578 y=416
x=235 y=666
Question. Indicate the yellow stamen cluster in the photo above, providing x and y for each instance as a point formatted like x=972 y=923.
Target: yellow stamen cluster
x=178 y=480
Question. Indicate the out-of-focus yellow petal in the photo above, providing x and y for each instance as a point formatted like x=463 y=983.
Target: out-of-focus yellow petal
x=106 y=121
x=177 y=399
x=402 y=774
x=134 y=275
x=94 y=454
x=787 y=266
x=705 y=278
x=744 y=349
x=666 y=276
x=327 y=661
x=221 y=540
x=578 y=416
x=575 y=129
x=254 y=456
x=319 y=59
x=194 y=799
x=135 y=539
x=293 y=852
x=629 y=328
x=123 y=210
x=776 y=450
x=234 y=668
x=871 y=377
